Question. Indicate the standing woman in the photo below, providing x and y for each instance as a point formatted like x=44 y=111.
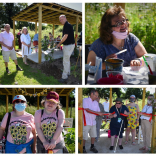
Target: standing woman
x=49 y=125
x=117 y=121
x=133 y=119
x=26 y=44
x=21 y=136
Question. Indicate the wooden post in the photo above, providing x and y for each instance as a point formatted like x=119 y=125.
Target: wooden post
x=7 y=101
x=38 y=100
x=13 y=93
x=76 y=33
x=39 y=33
x=53 y=30
x=14 y=33
x=120 y=4
x=110 y=99
x=153 y=140
x=67 y=105
x=80 y=122
x=35 y=27
x=143 y=97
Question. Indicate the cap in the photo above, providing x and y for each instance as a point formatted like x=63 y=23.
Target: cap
x=52 y=96
x=20 y=97
x=106 y=98
x=118 y=99
x=132 y=96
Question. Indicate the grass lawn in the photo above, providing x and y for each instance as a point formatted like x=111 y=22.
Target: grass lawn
x=28 y=76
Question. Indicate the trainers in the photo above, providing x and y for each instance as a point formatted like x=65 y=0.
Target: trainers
x=7 y=71
x=111 y=147
x=120 y=146
x=63 y=80
x=93 y=149
x=84 y=151
x=19 y=69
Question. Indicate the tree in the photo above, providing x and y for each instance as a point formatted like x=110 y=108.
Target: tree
x=7 y=10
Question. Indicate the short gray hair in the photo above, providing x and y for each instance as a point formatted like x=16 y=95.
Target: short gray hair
x=62 y=16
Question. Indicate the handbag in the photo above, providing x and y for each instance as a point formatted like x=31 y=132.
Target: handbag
x=3 y=141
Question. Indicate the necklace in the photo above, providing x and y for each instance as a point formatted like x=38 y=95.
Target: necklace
x=121 y=47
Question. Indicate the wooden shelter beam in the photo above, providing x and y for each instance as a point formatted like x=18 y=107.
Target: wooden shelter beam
x=61 y=91
x=7 y=101
x=13 y=93
x=24 y=12
x=53 y=29
x=153 y=140
x=143 y=97
x=7 y=90
x=110 y=99
x=65 y=12
x=70 y=90
x=39 y=33
x=35 y=27
x=17 y=91
x=120 y=4
x=80 y=122
x=76 y=33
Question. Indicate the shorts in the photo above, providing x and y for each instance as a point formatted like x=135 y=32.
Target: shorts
x=115 y=131
x=91 y=130
x=10 y=53
x=35 y=43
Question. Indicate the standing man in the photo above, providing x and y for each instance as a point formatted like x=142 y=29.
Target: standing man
x=146 y=125
x=91 y=105
x=7 y=42
x=99 y=119
x=106 y=105
x=68 y=46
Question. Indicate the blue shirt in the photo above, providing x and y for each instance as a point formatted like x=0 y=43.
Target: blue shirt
x=103 y=50
x=114 y=121
x=35 y=37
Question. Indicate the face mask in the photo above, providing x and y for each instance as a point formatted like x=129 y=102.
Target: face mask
x=132 y=100
x=149 y=101
x=20 y=107
x=120 y=35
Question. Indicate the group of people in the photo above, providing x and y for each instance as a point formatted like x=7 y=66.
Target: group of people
x=68 y=41
x=121 y=116
x=47 y=122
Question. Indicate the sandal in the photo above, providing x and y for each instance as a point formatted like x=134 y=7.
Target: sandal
x=133 y=143
x=126 y=142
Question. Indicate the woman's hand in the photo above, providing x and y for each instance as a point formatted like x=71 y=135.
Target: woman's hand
x=52 y=145
x=46 y=144
x=135 y=63
x=111 y=56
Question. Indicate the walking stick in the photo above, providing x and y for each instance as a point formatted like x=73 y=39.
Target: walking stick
x=118 y=137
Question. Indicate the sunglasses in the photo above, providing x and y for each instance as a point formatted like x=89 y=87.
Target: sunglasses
x=18 y=101
x=118 y=103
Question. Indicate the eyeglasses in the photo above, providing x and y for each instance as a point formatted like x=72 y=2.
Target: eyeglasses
x=118 y=103
x=18 y=101
x=118 y=24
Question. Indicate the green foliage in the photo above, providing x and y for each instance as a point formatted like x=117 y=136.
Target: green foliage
x=76 y=52
x=45 y=43
x=142 y=18
x=70 y=140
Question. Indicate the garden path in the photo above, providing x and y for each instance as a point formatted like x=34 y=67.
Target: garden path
x=104 y=143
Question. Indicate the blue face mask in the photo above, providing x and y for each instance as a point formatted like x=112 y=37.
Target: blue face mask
x=20 y=107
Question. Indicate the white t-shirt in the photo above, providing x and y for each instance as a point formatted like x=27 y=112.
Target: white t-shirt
x=106 y=106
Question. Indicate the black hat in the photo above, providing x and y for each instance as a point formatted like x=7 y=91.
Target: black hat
x=118 y=99
x=106 y=98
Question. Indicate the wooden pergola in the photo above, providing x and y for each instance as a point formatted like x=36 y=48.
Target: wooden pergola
x=47 y=13
x=36 y=92
x=80 y=120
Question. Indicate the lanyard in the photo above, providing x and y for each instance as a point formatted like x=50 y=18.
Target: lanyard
x=118 y=111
